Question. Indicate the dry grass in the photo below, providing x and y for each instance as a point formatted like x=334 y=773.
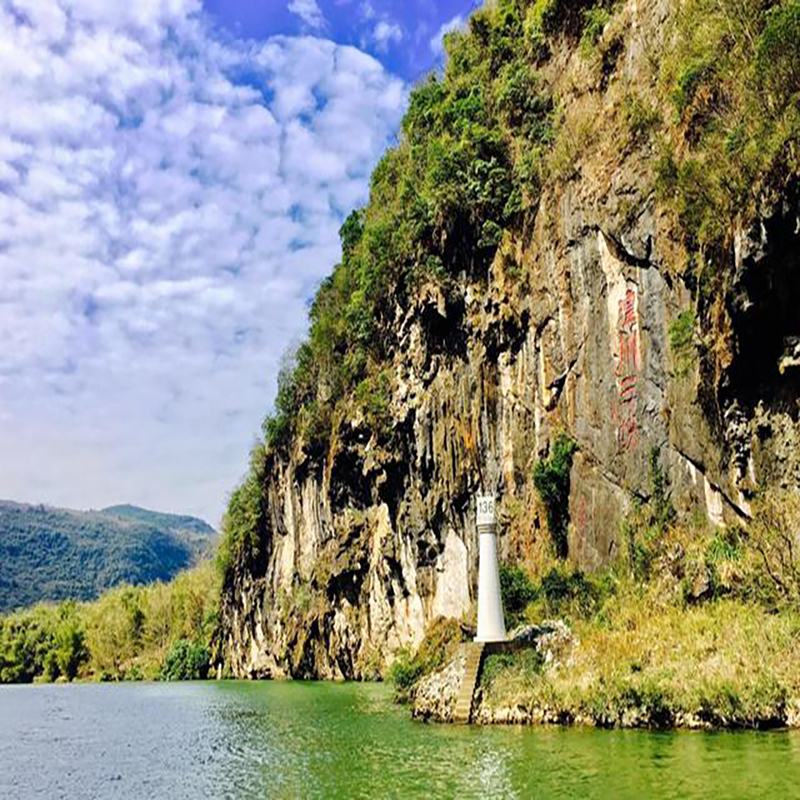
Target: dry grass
x=711 y=638
x=722 y=663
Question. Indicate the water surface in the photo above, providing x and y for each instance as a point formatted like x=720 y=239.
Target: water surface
x=287 y=740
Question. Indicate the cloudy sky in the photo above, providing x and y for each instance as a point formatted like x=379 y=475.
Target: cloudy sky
x=173 y=175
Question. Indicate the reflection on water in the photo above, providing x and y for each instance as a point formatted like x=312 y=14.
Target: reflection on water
x=245 y=740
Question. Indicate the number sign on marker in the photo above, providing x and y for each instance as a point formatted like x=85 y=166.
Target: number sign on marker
x=486 y=510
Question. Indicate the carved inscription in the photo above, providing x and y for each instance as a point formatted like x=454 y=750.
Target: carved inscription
x=628 y=372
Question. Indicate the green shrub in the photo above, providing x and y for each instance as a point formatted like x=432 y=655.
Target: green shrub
x=243 y=518
x=773 y=537
x=569 y=592
x=595 y=20
x=543 y=15
x=526 y=666
x=437 y=648
x=682 y=343
x=663 y=512
x=493 y=665
x=517 y=591
x=644 y=526
x=186 y=661
x=551 y=477
x=639 y=117
x=638 y=540
x=374 y=396
x=725 y=546
x=405 y=670
x=70 y=642
x=692 y=76
x=778 y=59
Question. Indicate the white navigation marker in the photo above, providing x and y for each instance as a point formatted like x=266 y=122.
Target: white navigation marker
x=491 y=626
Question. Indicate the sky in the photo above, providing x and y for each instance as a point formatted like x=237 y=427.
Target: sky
x=173 y=175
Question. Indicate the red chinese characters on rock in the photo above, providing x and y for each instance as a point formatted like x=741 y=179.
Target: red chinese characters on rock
x=628 y=373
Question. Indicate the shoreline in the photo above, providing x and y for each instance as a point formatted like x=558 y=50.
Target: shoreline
x=487 y=714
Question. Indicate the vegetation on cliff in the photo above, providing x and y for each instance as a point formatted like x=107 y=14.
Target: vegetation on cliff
x=479 y=145
x=734 y=83
x=129 y=633
x=470 y=164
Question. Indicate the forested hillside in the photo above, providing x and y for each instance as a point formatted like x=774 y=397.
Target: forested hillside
x=52 y=554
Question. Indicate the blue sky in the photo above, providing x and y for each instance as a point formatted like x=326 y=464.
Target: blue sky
x=398 y=33
x=172 y=179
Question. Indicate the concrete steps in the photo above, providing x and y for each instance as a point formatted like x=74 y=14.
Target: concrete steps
x=466 y=694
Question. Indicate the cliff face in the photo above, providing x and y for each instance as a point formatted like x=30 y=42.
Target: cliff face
x=363 y=546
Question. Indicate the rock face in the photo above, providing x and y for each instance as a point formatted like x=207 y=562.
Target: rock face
x=364 y=546
x=435 y=697
x=436 y=694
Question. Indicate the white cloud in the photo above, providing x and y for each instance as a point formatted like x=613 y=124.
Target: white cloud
x=168 y=203
x=437 y=42
x=309 y=11
x=386 y=33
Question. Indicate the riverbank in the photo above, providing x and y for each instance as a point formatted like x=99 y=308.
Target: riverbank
x=692 y=628
x=642 y=663
x=163 y=630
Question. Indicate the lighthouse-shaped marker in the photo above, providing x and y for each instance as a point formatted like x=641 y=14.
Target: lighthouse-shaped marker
x=491 y=627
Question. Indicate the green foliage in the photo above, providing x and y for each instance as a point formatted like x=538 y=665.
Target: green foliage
x=405 y=671
x=682 y=343
x=123 y=635
x=646 y=523
x=692 y=76
x=186 y=661
x=439 y=646
x=773 y=538
x=694 y=194
x=551 y=477
x=662 y=510
x=549 y=16
x=571 y=593
x=726 y=545
x=734 y=76
x=69 y=640
x=517 y=591
x=527 y=664
x=544 y=15
x=595 y=21
x=241 y=524
x=374 y=395
x=777 y=62
x=278 y=426
x=54 y=554
x=639 y=117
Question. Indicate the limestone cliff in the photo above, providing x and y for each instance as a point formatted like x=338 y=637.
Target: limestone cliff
x=361 y=545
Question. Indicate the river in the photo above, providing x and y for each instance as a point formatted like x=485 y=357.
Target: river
x=287 y=740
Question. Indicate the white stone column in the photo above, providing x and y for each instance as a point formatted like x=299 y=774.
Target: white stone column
x=491 y=625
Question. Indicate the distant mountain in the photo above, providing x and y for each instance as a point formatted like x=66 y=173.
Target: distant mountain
x=55 y=553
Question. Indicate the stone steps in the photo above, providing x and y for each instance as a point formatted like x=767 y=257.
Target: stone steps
x=466 y=694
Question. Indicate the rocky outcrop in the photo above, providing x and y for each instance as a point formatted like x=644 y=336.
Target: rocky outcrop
x=434 y=698
x=366 y=544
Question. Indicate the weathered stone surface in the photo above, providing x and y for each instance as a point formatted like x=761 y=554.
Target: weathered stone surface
x=366 y=545
x=435 y=696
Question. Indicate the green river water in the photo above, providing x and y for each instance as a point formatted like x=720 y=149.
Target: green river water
x=286 y=740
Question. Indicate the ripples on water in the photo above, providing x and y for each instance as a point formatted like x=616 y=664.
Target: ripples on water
x=273 y=740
